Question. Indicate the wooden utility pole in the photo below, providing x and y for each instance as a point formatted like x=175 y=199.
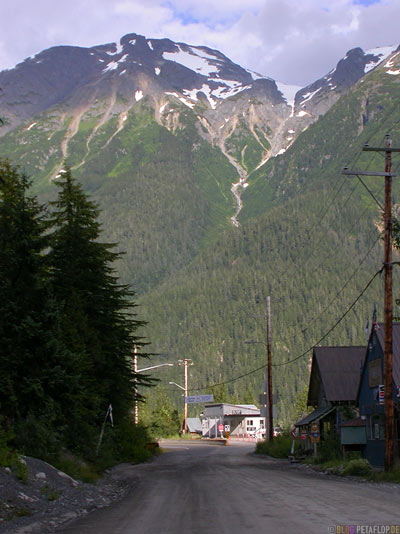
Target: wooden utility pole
x=185 y=363
x=135 y=401
x=269 y=372
x=388 y=302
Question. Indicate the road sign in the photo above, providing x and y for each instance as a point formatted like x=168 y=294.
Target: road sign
x=314 y=432
x=303 y=434
x=194 y=399
x=221 y=427
x=293 y=432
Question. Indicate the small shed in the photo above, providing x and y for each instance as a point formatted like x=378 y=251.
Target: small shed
x=352 y=434
x=194 y=426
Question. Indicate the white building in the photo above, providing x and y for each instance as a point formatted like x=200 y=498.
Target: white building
x=240 y=420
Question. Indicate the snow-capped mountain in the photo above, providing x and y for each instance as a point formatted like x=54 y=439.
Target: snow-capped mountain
x=66 y=92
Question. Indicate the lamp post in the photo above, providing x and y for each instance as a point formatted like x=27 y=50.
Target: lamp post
x=136 y=371
x=177 y=385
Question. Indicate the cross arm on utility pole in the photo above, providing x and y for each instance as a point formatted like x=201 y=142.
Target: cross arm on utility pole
x=367 y=148
x=367 y=173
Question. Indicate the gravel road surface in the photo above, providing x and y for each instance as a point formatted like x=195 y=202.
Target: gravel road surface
x=201 y=488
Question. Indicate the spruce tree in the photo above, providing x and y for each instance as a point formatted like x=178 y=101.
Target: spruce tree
x=98 y=319
x=36 y=370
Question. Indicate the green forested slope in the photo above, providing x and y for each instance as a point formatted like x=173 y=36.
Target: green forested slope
x=305 y=239
x=304 y=236
x=314 y=161
x=212 y=307
x=163 y=196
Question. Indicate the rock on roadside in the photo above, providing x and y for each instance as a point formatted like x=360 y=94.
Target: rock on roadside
x=51 y=498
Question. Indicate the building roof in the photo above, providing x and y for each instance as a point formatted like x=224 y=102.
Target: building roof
x=338 y=371
x=354 y=422
x=316 y=415
x=234 y=409
x=194 y=424
x=380 y=332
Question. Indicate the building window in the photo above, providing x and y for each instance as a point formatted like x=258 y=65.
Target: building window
x=376 y=428
x=250 y=422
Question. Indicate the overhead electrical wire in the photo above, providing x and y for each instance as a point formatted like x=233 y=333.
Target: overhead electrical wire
x=303 y=353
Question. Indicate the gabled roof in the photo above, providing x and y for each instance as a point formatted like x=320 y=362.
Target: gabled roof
x=194 y=424
x=316 y=415
x=337 y=370
x=380 y=332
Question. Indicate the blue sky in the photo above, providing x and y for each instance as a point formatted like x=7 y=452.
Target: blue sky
x=293 y=41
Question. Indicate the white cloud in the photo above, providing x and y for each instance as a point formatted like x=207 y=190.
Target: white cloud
x=294 y=42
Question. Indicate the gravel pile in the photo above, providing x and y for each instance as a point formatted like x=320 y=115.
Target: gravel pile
x=49 y=498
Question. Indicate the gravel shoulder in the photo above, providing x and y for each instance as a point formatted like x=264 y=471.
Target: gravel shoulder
x=51 y=498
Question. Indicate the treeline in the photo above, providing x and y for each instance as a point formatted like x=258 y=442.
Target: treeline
x=67 y=326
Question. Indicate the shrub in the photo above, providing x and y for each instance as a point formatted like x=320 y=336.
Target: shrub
x=358 y=468
x=36 y=437
x=328 y=449
x=278 y=448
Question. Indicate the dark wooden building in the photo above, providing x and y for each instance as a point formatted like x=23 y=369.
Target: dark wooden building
x=370 y=394
x=334 y=383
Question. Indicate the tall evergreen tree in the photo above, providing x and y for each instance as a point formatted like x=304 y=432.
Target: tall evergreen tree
x=36 y=374
x=98 y=316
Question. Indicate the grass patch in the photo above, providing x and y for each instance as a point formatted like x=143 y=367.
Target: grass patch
x=279 y=447
x=358 y=468
x=390 y=476
x=77 y=468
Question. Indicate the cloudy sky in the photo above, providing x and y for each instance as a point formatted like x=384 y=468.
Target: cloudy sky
x=293 y=41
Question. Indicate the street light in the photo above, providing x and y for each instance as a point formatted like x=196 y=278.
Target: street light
x=153 y=367
x=177 y=385
x=136 y=371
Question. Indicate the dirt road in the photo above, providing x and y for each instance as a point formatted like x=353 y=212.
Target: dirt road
x=201 y=488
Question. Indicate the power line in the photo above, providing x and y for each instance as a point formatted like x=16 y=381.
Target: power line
x=300 y=355
x=335 y=325
x=337 y=294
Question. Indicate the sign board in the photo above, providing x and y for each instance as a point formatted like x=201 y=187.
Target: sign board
x=194 y=399
x=381 y=394
x=303 y=434
x=221 y=427
x=227 y=428
x=293 y=432
x=314 y=435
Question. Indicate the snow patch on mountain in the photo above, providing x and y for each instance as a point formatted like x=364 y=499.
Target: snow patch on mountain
x=192 y=61
x=111 y=66
x=309 y=95
x=381 y=53
x=257 y=76
x=288 y=92
x=118 y=47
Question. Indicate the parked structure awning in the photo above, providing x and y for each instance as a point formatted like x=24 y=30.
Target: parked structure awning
x=316 y=415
